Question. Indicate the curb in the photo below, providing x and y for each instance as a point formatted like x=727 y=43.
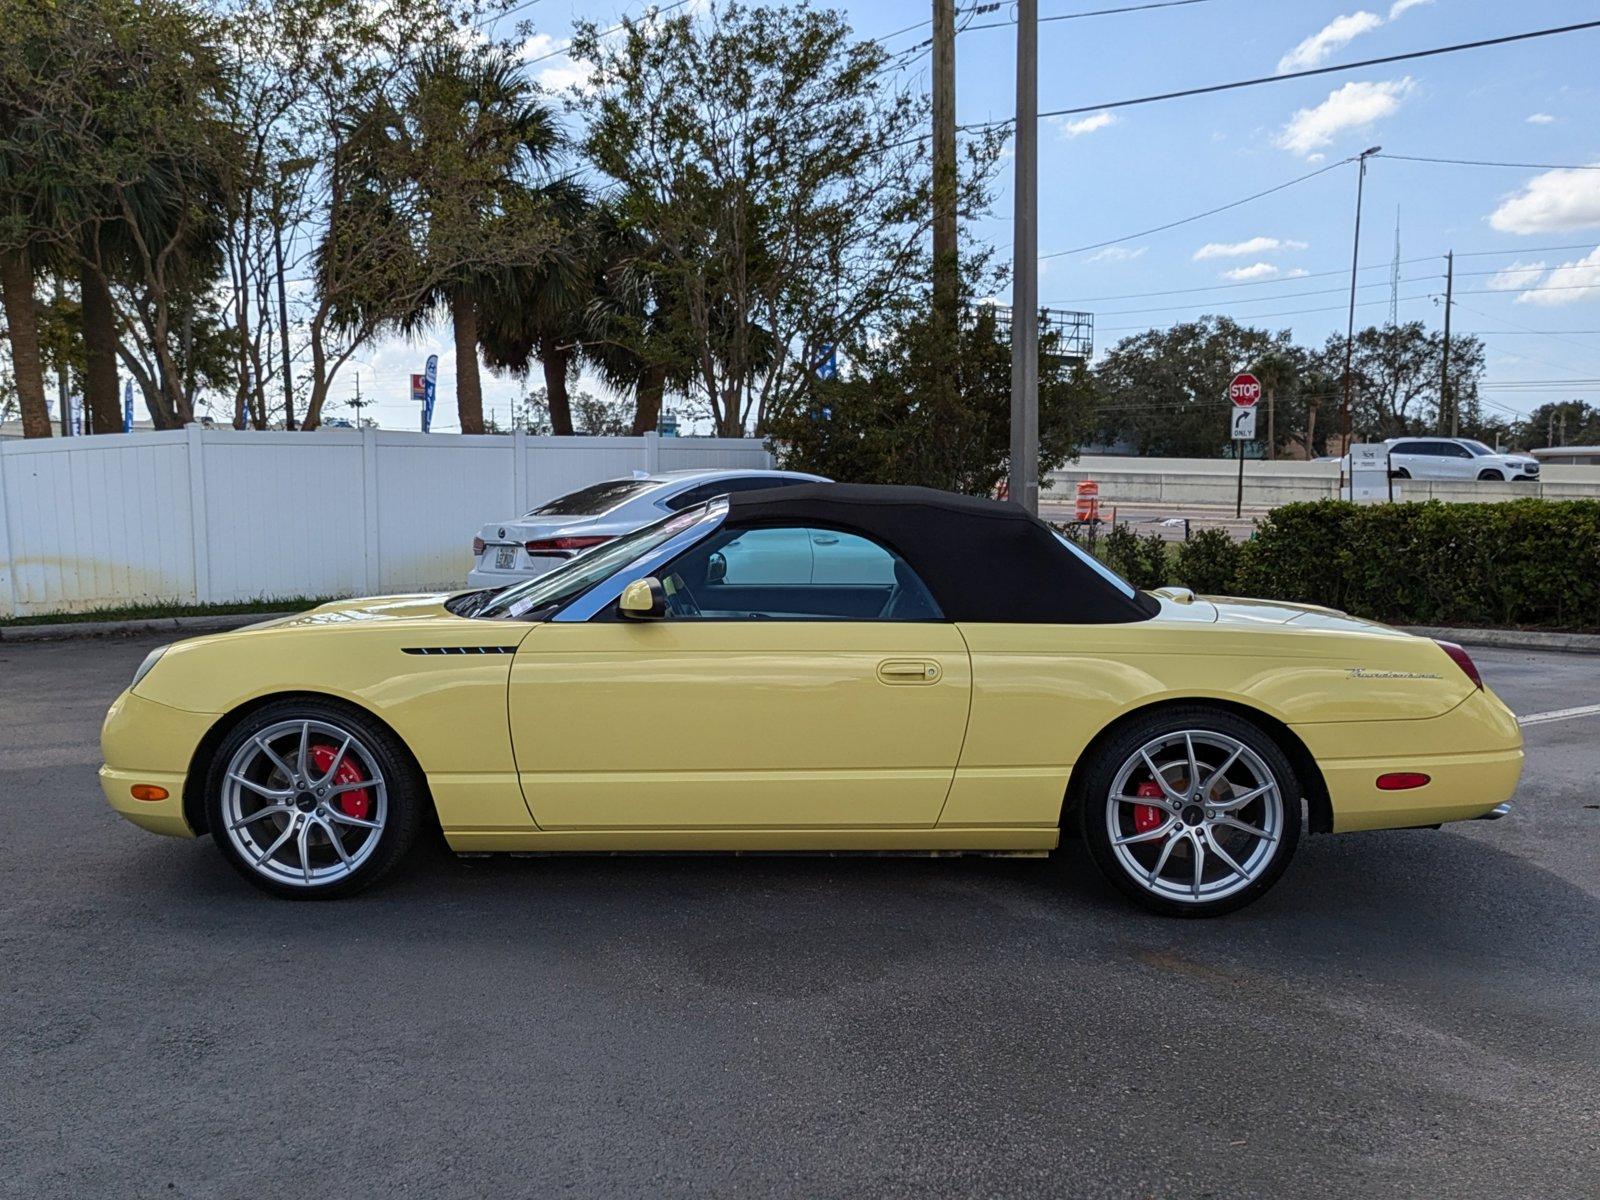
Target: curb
x=1511 y=639
x=89 y=629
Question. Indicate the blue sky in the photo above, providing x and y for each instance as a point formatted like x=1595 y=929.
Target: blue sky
x=1525 y=239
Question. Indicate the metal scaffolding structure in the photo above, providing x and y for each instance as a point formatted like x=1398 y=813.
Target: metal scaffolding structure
x=1068 y=334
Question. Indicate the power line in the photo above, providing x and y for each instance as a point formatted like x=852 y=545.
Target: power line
x=979 y=9
x=648 y=15
x=1267 y=299
x=1476 y=162
x=500 y=16
x=1098 y=12
x=1209 y=89
x=1210 y=212
x=1293 y=312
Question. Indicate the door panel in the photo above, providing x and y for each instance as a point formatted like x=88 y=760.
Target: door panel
x=738 y=725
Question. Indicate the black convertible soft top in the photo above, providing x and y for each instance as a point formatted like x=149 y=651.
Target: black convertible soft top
x=984 y=560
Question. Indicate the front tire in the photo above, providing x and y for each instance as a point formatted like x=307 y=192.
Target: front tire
x=309 y=799
x=1491 y=477
x=1190 y=812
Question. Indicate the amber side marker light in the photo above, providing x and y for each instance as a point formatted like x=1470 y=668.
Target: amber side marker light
x=1400 y=781
x=148 y=791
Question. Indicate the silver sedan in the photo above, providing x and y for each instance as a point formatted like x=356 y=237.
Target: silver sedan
x=507 y=552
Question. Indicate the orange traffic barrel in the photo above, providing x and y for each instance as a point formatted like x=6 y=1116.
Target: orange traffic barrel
x=1088 y=500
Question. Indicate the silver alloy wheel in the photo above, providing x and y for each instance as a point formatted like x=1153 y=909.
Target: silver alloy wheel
x=1212 y=816
x=290 y=816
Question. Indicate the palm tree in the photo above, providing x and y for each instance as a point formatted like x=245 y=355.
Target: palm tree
x=1275 y=370
x=470 y=141
x=542 y=311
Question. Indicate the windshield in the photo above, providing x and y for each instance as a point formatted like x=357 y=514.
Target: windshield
x=595 y=499
x=582 y=572
x=1095 y=565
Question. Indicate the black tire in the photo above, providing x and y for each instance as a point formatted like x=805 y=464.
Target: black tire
x=1401 y=473
x=1491 y=476
x=396 y=789
x=1267 y=858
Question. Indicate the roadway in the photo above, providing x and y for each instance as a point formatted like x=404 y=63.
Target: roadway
x=1408 y=1013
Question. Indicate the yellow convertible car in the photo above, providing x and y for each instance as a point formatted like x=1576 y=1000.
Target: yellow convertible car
x=824 y=667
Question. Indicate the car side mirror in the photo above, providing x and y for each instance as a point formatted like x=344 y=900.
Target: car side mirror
x=716 y=568
x=643 y=600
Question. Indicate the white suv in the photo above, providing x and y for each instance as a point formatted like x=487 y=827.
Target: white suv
x=1456 y=458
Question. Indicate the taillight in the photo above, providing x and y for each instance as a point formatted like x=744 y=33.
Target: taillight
x=477 y=547
x=562 y=544
x=1463 y=660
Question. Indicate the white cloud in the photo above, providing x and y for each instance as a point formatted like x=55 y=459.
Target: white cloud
x=1353 y=106
x=1336 y=34
x=1555 y=202
x=1255 y=245
x=555 y=71
x=1295 y=273
x=1515 y=277
x=1568 y=283
x=1260 y=270
x=1540 y=118
x=1118 y=254
x=1340 y=32
x=1083 y=125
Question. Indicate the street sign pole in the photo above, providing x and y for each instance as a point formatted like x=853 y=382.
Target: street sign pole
x=1243 y=393
x=1238 y=500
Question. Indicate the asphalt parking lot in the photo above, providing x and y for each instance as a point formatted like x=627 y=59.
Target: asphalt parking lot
x=1409 y=1013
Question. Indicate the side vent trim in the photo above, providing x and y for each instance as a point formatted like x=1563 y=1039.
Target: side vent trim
x=458 y=650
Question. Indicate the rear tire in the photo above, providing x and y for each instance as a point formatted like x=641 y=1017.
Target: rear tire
x=1401 y=473
x=312 y=800
x=1209 y=830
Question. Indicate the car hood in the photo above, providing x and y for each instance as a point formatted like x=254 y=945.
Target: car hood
x=419 y=606
x=1180 y=604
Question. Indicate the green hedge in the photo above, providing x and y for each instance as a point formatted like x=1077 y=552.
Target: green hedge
x=1525 y=563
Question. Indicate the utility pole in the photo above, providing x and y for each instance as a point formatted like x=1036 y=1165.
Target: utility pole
x=357 y=403
x=1024 y=482
x=946 y=261
x=1394 y=274
x=1350 y=331
x=1444 y=362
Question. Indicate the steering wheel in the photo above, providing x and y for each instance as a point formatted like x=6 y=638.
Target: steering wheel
x=887 y=611
x=681 y=601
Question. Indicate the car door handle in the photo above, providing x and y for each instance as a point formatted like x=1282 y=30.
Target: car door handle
x=825 y=539
x=909 y=670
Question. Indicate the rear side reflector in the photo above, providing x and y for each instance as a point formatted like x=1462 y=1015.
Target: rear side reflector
x=562 y=544
x=148 y=792
x=1463 y=660
x=1400 y=781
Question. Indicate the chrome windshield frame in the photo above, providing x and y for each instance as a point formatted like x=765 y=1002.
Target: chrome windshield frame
x=608 y=590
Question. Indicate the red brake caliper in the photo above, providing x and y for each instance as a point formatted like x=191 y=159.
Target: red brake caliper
x=1147 y=816
x=358 y=804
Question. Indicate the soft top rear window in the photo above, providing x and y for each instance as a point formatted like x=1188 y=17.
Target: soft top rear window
x=595 y=499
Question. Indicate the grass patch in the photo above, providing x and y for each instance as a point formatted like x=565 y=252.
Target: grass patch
x=141 y=612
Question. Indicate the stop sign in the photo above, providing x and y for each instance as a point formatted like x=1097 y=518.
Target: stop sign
x=1245 y=390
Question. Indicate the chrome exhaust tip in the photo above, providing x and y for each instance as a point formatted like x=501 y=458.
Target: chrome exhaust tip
x=1495 y=813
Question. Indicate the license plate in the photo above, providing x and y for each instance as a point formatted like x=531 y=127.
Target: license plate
x=505 y=557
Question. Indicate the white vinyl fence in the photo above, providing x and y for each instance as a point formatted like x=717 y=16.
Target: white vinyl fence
x=199 y=516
